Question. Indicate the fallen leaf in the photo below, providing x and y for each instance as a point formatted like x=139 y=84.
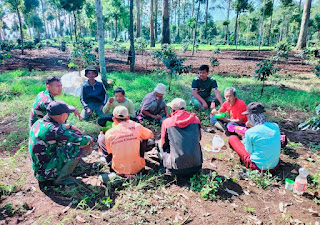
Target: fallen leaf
x=30 y=211
x=246 y=192
x=315 y=214
x=207 y=214
x=183 y=195
x=67 y=208
x=281 y=206
x=297 y=221
x=95 y=216
x=157 y=196
x=234 y=205
x=255 y=220
x=312 y=211
x=80 y=219
x=231 y=192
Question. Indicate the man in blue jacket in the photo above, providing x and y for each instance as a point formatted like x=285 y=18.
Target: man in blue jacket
x=93 y=95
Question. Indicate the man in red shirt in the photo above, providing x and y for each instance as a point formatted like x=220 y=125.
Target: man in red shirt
x=234 y=106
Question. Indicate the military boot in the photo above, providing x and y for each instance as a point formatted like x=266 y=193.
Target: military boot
x=64 y=177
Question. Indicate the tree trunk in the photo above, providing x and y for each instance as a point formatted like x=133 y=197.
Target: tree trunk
x=20 y=25
x=178 y=34
x=100 y=34
x=156 y=20
x=60 y=27
x=261 y=25
x=206 y=21
x=116 y=29
x=192 y=8
x=165 y=23
x=75 y=26
x=302 y=41
x=227 y=26
x=270 y=26
x=131 y=36
x=44 y=20
x=70 y=26
x=138 y=18
x=236 y=29
x=152 y=41
x=195 y=29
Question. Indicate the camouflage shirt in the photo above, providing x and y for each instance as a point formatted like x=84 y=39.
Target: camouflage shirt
x=51 y=145
x=38 y=109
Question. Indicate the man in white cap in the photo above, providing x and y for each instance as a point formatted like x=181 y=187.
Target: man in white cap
x=153 y=104
x=179 y=146
x=123 y=142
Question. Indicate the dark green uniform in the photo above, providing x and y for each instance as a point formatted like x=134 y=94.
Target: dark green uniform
x=51 y=146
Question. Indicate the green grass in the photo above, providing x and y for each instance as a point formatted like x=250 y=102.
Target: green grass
x=19 y=88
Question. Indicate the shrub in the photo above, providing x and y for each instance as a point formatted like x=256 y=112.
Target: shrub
x=282 y=49
x=185 y=45
x=206 y=184
x=216 y=51
x=317 y=70
x=214 y=62
x=81 y=55
x=312 y=123
x=264 y=70
x=117 y=48
x=29 y=45
x=141 y=45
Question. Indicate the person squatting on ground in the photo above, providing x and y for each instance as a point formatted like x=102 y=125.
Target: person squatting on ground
x=261 y=148
x=119 y=99
x=179 y=146
x=123 y=141
x=201 y=90
x=93 y=95
x=234 y=106
x=153 y=104
x=38 y=110
x=56 y=147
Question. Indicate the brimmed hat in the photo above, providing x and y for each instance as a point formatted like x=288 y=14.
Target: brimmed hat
x=161 y=89
x=59 y=107
x=255 y=108
x=90 y=68
x=120 y=112
x=177 y=104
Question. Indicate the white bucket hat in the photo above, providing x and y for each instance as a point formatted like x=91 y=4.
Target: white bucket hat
x=161 y=89
x=177 y=104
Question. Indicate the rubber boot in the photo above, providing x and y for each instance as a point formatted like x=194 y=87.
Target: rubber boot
x=64 y=177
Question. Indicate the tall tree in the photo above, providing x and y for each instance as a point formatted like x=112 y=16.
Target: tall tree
x=131 y=37
x=270 y=25
x=73 y=6
x=138 y=11
x=195 y=28
x=156 y=20
x=100 y=34
x=302 y=41
x=15 y=5
x=165 y=23
x=227 y=22
x=152 y=41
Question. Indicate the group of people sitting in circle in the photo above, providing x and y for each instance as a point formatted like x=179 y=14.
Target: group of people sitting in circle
x=56 y=146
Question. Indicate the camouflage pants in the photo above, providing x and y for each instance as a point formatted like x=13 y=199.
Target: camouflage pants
x=51 y=169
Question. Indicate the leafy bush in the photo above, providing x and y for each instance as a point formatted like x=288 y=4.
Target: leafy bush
x=157 y=55
x=263 y=180
x=206 y=184
x=141 y=45
x=117 y=48
x=264 y=70
x=214 y=61
x=216 y=51
x=29 y=45
x=282 y=49
x=81 y=55
x=63 y=45
x=317 y=70
x=185 y=45
x=312 y=123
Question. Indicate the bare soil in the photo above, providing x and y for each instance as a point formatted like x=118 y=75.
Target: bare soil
x=231 y=62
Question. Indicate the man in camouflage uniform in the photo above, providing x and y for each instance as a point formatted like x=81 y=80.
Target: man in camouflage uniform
x=56 y=147
x=54 y=88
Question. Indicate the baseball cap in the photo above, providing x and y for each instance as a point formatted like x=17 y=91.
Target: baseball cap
x=177 y=104
x=255 y=108
x=59 y=107
x=120 y=112
x=161 y=89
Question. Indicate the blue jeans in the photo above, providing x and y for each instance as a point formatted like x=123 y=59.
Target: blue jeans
x=95 y=107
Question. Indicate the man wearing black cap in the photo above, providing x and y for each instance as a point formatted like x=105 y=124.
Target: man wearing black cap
x=56 y=147
x=93 y=94
x=261 y=148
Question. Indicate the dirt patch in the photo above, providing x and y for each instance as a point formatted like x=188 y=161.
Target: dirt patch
x=231 y=62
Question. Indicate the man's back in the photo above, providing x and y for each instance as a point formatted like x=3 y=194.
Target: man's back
x=38 y=109
x=123 y=142
x=180 y=136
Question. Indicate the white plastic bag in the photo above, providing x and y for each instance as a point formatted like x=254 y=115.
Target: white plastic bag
x=217 y=143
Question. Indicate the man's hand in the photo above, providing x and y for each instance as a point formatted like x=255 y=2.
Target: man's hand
x=73 y=127
x=88 y=149
x=205 y=105
x=214 y=112
x=77 y=114
x=88 y=111
x=158 y=117
x=101 y=108
x=110 y=100
x=248 y=124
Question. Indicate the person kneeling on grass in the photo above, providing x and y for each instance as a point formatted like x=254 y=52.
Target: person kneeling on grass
x=124 y=142
x=56 y=147
x=261 y=148
x=179 y=146
x=153 y=105
x=234 y=106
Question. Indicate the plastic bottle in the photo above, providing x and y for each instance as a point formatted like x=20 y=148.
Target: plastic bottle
x=300 y=182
